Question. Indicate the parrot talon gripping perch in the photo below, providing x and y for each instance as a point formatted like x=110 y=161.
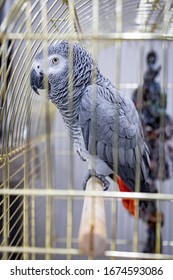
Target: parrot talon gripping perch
x=90 y=173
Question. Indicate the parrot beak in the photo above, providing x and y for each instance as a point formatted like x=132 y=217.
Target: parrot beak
x=35 y=89
x=36 y=81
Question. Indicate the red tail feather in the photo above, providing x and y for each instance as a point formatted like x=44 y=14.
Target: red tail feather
x=129 y=204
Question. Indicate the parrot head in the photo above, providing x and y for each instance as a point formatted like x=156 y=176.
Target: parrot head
x=51 y=70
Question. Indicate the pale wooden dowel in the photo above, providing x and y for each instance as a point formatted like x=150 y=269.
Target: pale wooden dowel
x=92 y=232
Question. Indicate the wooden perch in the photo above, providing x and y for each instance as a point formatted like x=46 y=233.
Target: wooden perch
x=92 y=232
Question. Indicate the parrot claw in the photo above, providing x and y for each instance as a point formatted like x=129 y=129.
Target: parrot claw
x=102 y=178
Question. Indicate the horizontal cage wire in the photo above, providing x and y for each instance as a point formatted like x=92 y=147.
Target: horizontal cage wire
x=44 y=211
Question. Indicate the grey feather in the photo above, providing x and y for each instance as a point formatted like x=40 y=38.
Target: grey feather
x=124 y=133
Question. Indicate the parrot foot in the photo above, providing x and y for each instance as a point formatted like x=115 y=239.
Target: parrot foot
x=102 y=178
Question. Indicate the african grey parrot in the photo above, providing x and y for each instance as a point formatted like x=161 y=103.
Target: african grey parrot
x=100 y=121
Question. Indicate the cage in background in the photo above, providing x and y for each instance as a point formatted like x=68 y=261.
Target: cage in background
x=41 y=193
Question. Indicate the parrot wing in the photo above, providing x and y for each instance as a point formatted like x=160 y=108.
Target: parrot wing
x=111 y=128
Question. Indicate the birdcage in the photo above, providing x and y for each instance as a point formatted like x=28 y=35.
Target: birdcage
x=41 y=194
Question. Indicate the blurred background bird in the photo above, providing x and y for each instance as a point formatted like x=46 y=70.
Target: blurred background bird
x=158 y=129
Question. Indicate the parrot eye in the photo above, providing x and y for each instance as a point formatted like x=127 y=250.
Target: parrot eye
x=55 y=60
